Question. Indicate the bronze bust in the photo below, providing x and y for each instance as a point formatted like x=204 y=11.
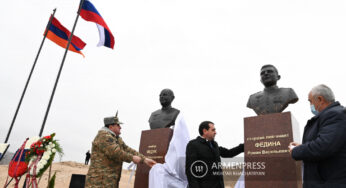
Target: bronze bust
x=272 y=99
x=164 y=117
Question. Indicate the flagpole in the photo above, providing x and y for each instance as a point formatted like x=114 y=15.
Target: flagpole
x=61 y=66
x=28 y=80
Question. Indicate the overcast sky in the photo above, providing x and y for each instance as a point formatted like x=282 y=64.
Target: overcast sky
x=208 y=52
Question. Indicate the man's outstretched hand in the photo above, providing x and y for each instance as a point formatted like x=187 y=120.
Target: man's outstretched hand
x=149 y=162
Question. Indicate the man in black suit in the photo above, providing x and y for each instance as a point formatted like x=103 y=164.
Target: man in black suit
x=203 y=163
x=324 y=142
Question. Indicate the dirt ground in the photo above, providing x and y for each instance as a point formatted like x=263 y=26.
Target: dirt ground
x=64 y=170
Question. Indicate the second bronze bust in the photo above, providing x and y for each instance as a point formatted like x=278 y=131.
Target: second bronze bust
x=164 y=117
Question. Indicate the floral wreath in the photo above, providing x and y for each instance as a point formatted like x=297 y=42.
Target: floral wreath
x=41 y=154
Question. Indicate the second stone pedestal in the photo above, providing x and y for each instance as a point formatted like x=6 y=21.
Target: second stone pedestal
x=154 y=144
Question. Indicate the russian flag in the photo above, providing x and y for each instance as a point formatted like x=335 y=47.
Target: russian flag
x=59 y=35
x=89 y=13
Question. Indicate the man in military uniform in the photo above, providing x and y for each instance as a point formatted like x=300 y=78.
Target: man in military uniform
x=107 y=155
x=272 y=99
x=166 y=116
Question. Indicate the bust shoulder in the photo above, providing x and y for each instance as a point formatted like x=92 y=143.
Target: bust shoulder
x=252 y=99
x=286 y=89
x=174 y=110
x=291 y=95
x=163 y=118
x=256 y=95
x=159 y=111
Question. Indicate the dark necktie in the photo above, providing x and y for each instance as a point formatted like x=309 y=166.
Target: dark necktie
x=211 y=145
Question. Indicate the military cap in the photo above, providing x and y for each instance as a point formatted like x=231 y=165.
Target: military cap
x=113 y=120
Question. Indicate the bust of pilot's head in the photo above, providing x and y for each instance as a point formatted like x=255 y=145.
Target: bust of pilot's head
x=269 y=75
x=166 y=97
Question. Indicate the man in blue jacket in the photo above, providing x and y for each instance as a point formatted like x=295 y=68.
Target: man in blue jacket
x=323 y=150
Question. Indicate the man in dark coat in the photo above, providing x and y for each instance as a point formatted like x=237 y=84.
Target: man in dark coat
x=203 y=163
x=323 y=150
x=87 y=157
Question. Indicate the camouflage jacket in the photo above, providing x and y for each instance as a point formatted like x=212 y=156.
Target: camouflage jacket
x=107 y=155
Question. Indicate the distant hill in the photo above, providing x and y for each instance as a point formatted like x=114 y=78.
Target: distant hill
x=7 y=158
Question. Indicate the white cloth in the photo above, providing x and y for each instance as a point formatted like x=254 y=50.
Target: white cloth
x=171 y=174
x=3 y=148
x=132 y=167
x=241 y=181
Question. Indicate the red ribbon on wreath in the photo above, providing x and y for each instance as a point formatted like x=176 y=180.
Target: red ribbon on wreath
x=32 y=180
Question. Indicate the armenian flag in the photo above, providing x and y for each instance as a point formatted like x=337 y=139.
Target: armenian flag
x=89 y=13
x=59 y=35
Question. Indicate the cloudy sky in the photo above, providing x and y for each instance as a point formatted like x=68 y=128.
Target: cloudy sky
x=208 y=52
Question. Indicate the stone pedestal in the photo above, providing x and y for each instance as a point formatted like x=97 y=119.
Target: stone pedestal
x=154 y=144
x=267 y=158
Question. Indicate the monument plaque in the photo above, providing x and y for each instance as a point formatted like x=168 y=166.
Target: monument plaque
x=154 y=144
x=267 y=157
